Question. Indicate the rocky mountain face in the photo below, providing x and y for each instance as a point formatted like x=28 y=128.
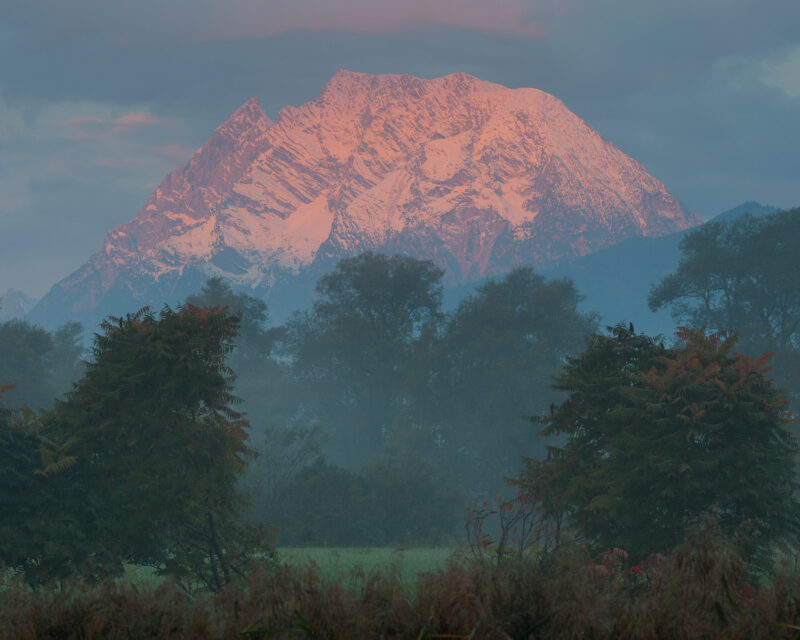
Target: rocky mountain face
x=477 y=177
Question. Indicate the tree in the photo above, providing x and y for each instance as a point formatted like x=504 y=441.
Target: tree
x=24 y=362
x=40 y=365
x=743 y=275
x=264 y=382
x=253 y=338
x=415 y=503
x=657 y=437
x=281 y=457
x=40 y=515
x=158 y=446
x=349 y=351
x=500 y=350
x=66 y=358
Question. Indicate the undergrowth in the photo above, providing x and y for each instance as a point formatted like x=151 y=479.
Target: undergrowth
x=704 y=589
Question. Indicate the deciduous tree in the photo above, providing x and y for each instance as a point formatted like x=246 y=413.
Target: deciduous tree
x=500 y=350
x=350 y=352
x=159 y=447
x=743 y=275
x=657 y=437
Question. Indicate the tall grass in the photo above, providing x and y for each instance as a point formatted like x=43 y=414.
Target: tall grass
x=705 y=589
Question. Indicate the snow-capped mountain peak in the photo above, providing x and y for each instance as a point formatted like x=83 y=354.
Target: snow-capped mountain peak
x=470 y=174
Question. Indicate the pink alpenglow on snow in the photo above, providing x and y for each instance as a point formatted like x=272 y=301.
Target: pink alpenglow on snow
x=472 y=175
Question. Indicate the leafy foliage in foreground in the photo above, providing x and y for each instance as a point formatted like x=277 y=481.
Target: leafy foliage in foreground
x=140 y=462
x=658 y=437
x=40 y=518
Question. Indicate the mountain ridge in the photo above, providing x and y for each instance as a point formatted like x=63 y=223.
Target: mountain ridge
x=472 y=175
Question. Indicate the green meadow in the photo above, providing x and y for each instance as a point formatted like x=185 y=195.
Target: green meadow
x=347 y=565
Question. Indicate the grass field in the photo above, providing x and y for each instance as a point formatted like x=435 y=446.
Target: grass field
x=348 y=565
x=352 y=563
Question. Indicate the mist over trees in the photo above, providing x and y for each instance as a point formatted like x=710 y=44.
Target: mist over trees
x=354 y=353
x=743 y=275
x=376 y=416
x=42 y=365
x=377 y=381
x=500 y=350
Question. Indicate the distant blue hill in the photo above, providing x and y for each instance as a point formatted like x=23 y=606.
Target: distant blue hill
x=616 y=281
x=753 y=208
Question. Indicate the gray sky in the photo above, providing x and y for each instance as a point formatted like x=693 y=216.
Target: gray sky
x=99 y=100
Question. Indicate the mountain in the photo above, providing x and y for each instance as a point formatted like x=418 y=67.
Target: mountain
x=752 y=208
x=472 y=175
x=616 y=281
x=15 y=304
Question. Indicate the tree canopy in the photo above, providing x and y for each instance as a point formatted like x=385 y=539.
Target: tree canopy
x=39 y=364
x=158 y=446
x=351 y=350
x=501 y=347
x=743 y=275
x=657 y=437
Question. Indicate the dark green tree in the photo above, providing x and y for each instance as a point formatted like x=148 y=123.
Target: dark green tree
x=658 y=437
x=415 y=502
x=501 y=348
x=25 y=363
x=41 y=517
x=325 y=505
x=350 y=351
x=282 y=454
x=39 y=364
x=159 y=448
x=743 y=275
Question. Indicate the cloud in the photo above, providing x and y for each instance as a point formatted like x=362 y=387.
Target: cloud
x=783 y=73
x=123 y=163
x=252 y=19
x=70 y=171
x=166 y=21
x=87 y=127
x=176 y=152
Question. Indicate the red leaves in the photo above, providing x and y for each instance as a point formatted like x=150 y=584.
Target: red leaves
x=639 y=570
x=747 y=366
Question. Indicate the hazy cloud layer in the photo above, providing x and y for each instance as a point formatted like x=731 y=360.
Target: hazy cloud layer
x=68 y=173
x=53 y=22
x=103 y=99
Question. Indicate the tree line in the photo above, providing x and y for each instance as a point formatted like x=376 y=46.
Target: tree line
x=375 y=415
x=382 y=398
